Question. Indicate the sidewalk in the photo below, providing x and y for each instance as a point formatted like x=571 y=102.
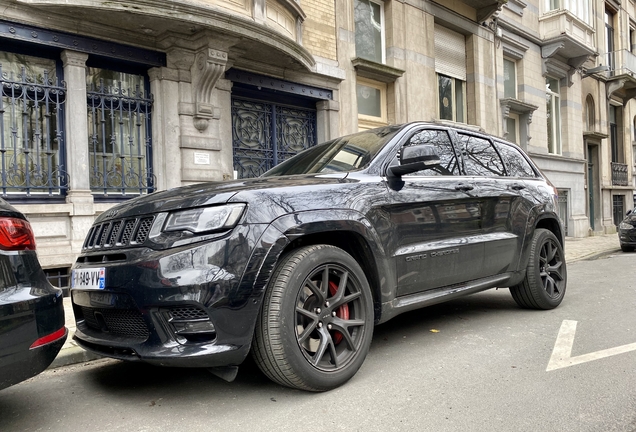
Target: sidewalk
x=576 y=249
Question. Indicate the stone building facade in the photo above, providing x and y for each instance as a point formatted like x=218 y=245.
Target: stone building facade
x=103 y=101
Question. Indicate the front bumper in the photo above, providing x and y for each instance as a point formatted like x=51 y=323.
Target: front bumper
x=194 y=306
x=627 y=237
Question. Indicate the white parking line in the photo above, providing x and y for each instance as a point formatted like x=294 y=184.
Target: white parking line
x=562 y=353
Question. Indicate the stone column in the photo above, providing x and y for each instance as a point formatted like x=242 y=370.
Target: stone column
x=327 y=120
x=77 y=157
x=166 y=131
x=76 y=121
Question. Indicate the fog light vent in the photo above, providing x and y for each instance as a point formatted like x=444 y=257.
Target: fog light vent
x=187 y=313
x=193 y=327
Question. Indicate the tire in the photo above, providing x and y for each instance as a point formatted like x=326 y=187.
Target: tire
x=627 y=248
x=546 y=275
x=309 y=335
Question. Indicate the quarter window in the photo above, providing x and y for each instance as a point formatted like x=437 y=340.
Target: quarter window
x=369 y=21
x=480 y=157
x=516 y=163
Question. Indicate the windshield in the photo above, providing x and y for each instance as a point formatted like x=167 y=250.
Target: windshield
x=349 y=153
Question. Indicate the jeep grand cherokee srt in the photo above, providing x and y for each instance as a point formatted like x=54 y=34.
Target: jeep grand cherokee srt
x=298 y=265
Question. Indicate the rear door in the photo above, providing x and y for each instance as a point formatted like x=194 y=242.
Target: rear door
x=502 y=206
x=435 y=221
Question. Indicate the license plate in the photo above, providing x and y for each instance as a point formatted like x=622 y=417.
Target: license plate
x=93 y=278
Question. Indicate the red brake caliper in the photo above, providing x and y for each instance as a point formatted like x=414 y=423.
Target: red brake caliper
x=342 y=312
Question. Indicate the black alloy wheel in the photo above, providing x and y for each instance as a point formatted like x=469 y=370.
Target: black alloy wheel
x=315 y=327
x=546 y=276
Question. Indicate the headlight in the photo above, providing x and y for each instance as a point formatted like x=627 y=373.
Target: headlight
x=625 y=226
x=205 y=219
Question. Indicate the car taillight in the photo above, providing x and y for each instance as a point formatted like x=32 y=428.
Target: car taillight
x=59 y=334
x=16 y=234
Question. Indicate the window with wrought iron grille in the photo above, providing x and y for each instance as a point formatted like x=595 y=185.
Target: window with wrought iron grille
x=31 y=127
x=618 y=208
x=119 y=133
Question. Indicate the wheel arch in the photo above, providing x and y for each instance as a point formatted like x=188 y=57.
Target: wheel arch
x=552 y=224
x=345 y=229
x=538 y=219
x=355 y=245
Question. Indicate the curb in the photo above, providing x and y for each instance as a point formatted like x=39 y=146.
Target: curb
x=72 y=355
x=595 y=255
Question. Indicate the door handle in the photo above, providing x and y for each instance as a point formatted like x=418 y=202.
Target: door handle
x=464 y=187
x=517 y=187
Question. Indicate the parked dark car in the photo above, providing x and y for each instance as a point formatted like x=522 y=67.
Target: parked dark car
x=298 y=265
x=32 y=329
x=627 y=232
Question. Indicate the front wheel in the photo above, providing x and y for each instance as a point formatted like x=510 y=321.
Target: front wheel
x=546 y=277
x=314 y=329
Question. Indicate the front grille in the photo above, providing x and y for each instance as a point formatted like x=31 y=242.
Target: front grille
x=118 y=233
x=187 y=313
x=119 y=322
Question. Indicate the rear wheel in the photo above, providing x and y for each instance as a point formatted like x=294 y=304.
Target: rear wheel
x=314 y=329
x=546 y=277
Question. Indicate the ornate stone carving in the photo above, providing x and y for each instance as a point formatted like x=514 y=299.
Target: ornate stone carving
x=208 y=67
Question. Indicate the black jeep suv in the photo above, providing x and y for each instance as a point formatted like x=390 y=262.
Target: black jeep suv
x=298 y=265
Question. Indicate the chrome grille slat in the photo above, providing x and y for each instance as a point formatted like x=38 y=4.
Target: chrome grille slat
x=129 y=226
x=114 y=233
x=102 y=237
x=118 y=233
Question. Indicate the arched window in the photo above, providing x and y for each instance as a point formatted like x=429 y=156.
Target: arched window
x=590 y=118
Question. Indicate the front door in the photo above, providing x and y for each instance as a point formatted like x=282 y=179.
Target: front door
x=435 y=221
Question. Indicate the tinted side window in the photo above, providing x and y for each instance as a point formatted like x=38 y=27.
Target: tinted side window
x=442 y=142
x=516 y=164
x=480 y=157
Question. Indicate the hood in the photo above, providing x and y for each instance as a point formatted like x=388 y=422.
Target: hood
x=213 y=193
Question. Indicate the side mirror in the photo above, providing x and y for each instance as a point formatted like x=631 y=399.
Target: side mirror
x=415 y=158
x=628 y=212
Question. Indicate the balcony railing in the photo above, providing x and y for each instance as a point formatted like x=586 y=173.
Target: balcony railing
x=619 y=174
x=620 y=62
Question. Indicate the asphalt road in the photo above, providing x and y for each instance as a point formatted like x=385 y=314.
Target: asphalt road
x=476 y=364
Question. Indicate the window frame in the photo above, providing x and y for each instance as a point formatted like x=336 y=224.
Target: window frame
x=380 y=3
x=103 y=192
x=514 y=137
x=365 y=121
x=583 y=13
x=555 y=131
x=47 y=193
x=514 y=65
x=456 y=156
x=464 y=153
x=454 y=97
